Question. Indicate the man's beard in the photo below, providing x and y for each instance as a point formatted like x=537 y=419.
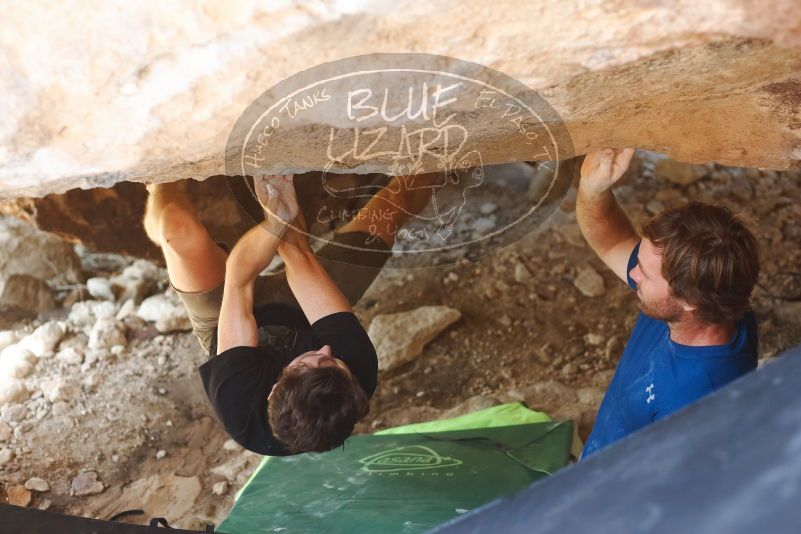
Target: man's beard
x=667 y=309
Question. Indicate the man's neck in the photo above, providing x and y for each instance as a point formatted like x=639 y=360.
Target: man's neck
x=699 y=334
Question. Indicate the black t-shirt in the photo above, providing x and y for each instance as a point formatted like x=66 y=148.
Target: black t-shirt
x=238 y=381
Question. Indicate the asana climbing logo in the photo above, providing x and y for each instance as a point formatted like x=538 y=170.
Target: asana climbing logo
x=463 y=158
x=408 y=458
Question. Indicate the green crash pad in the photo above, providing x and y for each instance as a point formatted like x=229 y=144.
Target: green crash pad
x=403 y=480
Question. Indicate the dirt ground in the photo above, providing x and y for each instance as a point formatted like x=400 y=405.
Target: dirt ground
x=140 y=421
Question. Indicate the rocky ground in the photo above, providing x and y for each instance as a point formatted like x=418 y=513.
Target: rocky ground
x=103 y=411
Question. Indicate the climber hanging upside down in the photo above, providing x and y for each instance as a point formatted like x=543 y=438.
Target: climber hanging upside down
x=282 y=378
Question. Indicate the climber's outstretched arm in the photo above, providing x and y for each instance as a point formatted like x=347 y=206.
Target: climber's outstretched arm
x=250 y=256
x=605 y=226
x=317 y=295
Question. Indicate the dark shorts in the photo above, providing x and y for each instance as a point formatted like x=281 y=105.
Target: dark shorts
x=353 y=261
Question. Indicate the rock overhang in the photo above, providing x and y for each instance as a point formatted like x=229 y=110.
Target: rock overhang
x=155 y=100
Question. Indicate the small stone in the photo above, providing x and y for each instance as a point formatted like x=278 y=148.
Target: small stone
x=13 y=391
x=16 y=361
x=237 y=467
x=86 y=312
x=589 y=282
x=19 y=496
x=161 y=454
x=37 y=484
x=522 y=274
x=6 y=455
x=70 y=356
x=654 y=206
x=167 y=311
x=100 y=288
x=487 y=208
x=144 y=270
x=93 y=355
x=569 y=369
x=44 y=339
x=505 y=320
x=86 y=483
x=13 y=413
x=25 y=295
x=59 y=389
x=231 y=445
x=105 y=334
x=400 y=337
x=91 y=379
x=45 y=504
x=128 y=308
x=133 y=289
x=220 y=488
x=594 y=339
x=482 y=225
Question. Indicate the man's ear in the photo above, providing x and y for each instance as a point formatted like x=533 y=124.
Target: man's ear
x=689 y=308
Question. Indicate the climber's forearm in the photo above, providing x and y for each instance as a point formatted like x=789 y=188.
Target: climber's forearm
x=314 y=290
x=252 y=254
x=607 y=229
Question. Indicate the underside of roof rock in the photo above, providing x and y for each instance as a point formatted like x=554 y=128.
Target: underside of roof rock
x=151 y=92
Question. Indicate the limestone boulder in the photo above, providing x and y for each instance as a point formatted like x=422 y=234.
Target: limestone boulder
x=12 y=390
x=22 y=295
x=105 y=334
x=400 y=337
x=150 y=91
x=44 y=339
x=86 y=483
x=26 y=250
x=166 y=311
x=156 y=100
x=589 y=282
x=16 y=362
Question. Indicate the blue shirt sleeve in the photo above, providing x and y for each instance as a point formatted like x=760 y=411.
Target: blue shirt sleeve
x=632 y=264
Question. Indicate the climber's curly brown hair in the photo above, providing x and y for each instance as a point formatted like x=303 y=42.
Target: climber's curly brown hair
x=315 y=410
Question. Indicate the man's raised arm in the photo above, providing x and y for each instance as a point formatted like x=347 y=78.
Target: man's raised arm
x=314 y=290
x=604 y=224
x=250 y=256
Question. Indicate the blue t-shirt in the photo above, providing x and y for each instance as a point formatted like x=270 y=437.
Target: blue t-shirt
x=657 y=376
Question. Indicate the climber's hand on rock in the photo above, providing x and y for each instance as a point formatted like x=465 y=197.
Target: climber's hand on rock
x=602 y=168
x=276 y=194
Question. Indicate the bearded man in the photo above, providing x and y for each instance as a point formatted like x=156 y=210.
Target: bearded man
x=693 y=268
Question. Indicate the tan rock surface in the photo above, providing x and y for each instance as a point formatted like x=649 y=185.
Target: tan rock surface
x=19 y=496
x=149 y=92
x=400 y=337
